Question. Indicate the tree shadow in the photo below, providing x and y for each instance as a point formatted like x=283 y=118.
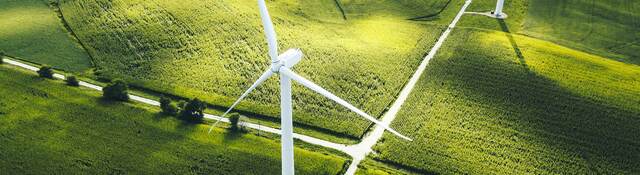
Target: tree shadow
x=230 y=135
x=514 y=45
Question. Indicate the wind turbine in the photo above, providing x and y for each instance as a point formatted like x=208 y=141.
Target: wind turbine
x=498 y=12
x=282 y=64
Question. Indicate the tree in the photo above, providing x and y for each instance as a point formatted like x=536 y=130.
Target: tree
x=193 y=111
x=72 y=81
x=168 y=107
x=235 y=120
x=116 y=90
x=1 y=56
x=46 y=71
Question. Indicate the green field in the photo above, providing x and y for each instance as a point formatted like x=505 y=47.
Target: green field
x=49 y=128
x=553 y=89
x=30 y=30
x=493 y=102
x=215 y=49
x=608 y=28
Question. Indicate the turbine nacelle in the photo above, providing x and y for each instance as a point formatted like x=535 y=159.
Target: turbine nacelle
x=287 y=59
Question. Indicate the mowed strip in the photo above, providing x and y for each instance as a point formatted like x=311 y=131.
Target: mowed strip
x=47 y=127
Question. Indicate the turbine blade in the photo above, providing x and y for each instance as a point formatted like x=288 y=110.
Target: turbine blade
x=287 y=72
x=260 y=80
x=269 y=31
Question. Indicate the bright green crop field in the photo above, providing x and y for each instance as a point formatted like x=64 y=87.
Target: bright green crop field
x=49 y=128
x=493 y=102
x=30 y=30
x=215 y=49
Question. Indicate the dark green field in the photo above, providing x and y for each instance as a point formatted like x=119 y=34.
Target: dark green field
x=609 y=28
x=49 y=128
x=30 y=30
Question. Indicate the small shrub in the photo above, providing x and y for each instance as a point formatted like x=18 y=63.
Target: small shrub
x=193 y=111
x=235 y=120
x=168 y=107
x=72 y=81
x=46 y=72
x=116 y=90
x=181 y=104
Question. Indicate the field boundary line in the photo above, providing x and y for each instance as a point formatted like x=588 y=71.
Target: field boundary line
x=363 y=148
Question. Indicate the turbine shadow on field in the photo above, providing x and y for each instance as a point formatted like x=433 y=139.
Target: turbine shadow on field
x=344 y=15
x=601 y=134
x=515 y=46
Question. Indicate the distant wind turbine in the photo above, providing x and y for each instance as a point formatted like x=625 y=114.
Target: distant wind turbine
x=282 y=65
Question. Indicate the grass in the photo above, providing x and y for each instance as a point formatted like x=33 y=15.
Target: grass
x=607 y=28
x=215 y=50
x=497 y=103
x=610 y=29
x=47 y=127
x=32 y=31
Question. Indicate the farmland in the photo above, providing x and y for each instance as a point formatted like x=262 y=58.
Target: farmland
x=552 y=89
x=213 y=51
x=47 y=127
x=608 y=28
x=30 y=30
x=493 y=102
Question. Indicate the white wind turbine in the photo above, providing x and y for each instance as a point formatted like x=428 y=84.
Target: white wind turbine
x=281 y=64
x=498 y=12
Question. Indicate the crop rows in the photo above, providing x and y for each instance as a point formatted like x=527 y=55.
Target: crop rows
x=482 y=109
x=216 y=50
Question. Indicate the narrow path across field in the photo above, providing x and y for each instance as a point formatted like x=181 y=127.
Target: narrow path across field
x=358 y=151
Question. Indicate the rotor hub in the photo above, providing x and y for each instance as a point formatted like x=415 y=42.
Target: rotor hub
x=275 y=66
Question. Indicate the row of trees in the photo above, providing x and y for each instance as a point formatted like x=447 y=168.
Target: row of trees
x=192 y=111
x=118 y=90
x=46 y=71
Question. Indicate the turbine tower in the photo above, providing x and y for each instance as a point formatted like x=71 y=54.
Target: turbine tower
x=498 y=12
x=282 y=64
